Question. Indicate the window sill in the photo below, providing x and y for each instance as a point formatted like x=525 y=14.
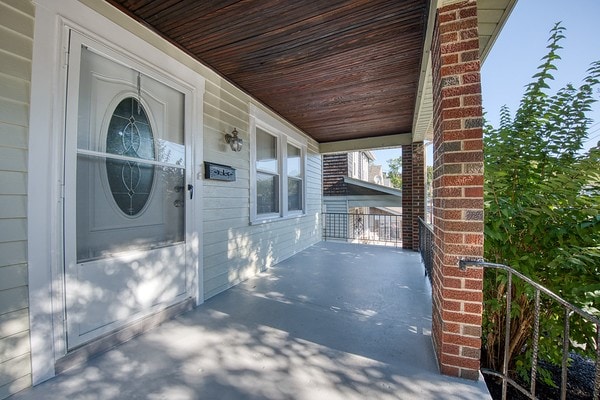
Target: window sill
x=275 y=218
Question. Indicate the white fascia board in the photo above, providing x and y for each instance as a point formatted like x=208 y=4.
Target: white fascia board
x=373 y=186
x=380 y=142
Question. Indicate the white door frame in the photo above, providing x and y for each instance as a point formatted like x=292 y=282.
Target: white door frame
x=53 y=20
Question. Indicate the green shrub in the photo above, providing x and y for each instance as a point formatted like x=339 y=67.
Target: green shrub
x=542 y=216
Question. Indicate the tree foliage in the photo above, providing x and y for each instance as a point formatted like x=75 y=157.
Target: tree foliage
x=395 y=172
x=542 y=214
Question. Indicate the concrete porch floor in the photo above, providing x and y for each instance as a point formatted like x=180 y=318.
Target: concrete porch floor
x=336 y=321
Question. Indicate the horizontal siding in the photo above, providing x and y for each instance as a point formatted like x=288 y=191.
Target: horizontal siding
x=16 y=44
x=235 y=250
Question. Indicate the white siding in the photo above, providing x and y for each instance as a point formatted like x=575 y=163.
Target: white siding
x=16 y=41
x=235 y=250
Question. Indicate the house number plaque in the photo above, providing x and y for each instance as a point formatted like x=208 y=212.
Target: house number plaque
x=219 y=172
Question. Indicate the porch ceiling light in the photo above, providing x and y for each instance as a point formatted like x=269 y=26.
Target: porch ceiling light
x=234 y=141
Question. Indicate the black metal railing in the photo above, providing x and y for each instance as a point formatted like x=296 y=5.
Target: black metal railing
x=426 y=246
x=549 y=301
x=382 y=229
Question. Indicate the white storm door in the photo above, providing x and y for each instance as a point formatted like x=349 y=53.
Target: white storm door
x=126 y=192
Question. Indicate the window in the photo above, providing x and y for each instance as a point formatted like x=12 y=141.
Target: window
x=267 y=176
x=294 y=176
x=277 y=173
x=130 y=134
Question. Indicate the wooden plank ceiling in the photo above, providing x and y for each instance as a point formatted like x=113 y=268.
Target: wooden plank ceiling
x=337 y=69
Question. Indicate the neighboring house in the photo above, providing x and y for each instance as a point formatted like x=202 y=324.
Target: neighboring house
x=353 y=185
x=126 y=197
x=350 y=183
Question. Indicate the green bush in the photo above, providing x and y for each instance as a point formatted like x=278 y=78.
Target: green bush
x=542 y=216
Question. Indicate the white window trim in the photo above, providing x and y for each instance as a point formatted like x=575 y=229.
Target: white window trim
x=45 y=170
x=285 y=135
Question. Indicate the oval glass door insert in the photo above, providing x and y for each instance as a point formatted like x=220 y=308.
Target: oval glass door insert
x=130 y=135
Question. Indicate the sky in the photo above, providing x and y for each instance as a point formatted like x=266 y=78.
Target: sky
x=519 y=49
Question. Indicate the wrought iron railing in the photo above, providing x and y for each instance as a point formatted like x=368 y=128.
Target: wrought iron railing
x=569 y=313
x=548 y=300
x=383 y=229
x=426 y=246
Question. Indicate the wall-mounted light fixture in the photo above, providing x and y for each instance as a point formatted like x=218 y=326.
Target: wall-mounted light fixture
x=234 y=141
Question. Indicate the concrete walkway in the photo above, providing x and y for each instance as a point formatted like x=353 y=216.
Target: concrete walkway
x=336 y=321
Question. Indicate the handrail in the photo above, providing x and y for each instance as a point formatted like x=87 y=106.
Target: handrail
x=363 y=228
x=426 y=246
x=569 y=308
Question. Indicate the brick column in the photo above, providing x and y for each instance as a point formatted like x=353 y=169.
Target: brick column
x=457 y=189
x=413 y=193
x=407 y=190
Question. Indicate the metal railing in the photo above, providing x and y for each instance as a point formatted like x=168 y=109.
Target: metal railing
x=363 y=228
x=570 y=311
x=426 y=246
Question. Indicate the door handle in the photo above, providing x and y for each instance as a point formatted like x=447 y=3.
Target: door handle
x=191 y=189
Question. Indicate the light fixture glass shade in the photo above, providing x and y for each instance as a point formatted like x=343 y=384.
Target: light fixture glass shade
x=234 y=141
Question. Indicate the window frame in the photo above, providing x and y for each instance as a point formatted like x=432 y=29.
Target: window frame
x=285 y=135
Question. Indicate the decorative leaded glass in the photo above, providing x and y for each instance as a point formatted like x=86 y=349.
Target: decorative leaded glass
x=130 y=134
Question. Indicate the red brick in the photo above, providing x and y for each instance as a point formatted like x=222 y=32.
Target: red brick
x=474 y=192
x=450 y=59
x=451 y=305
x=462 y=180
x=452 y=91
x=450 y=8
x=449 y=192
x=455 y=283
x=454 y=294
x=452 y=124
x=473 y=239
x=469 y=352
x=464 y=250
x=475 y=308
x=462 y=68
x=470 y=273
x=455 y=215
x=467 y=203
x=462 y=112
x=459 y=361
x=473 y=284
x=449 y=37
x=461 y=340
x=452 y=349
x=469 y=56
x=450 y=370
x=447 y=17
x=466 y=12
x=469 y=34
x=472 y=100
x=471 y=330
x=474 y=133
x=471 y=77
x=472 y=374
x=454 y=238
x=476 y=144
x=451 y=102
x=463 y=226
x=464 y=156
x=459 y=47
x=458 y=25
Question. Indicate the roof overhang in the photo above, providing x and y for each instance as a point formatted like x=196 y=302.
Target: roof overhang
x=351 y=75
x=357 y=187
x=492 y=15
